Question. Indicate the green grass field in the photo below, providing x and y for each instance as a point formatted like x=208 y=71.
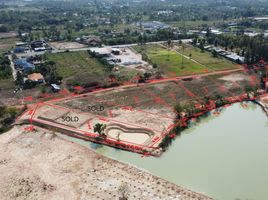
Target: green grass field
x=79 y=66
x=197 y=23
x=206 y=58
x=6 y=84
x=7 y=43
x=170 y=62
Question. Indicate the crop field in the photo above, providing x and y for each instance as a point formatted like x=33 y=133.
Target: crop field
x=170 y=62
x=206 y=58
x=78 y=66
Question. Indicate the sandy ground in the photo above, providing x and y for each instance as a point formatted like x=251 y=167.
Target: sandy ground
x=8 y=35
x=235 y=77
x=138 y=138
x=67 y=45
x=129 y=56
x=40 y=165
x=142 y=122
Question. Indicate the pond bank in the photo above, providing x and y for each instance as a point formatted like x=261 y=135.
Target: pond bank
x=202 y=110
x=220 y=155
x=263 y=102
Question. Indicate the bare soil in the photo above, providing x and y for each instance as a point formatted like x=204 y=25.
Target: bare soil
x=40 y=165
x=67 y=45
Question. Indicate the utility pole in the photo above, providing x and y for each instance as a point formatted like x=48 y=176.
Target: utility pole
x=184 y=33
x=266 y=78
x=182 y=55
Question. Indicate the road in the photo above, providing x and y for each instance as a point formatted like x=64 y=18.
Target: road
x=33 y=53
x=14 y=71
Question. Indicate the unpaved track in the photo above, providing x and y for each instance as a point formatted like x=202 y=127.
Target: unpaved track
x=39 y=165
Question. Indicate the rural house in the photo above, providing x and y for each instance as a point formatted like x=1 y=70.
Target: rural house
x=36 y=77
x=22 y=64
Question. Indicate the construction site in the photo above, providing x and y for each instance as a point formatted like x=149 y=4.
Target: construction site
x=138 y=117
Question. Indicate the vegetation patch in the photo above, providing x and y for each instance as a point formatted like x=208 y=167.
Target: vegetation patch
x=213 y=62
x=8 y=116
x=78 y=67
x=5 y=69
x=170 y=63
x=6 y=44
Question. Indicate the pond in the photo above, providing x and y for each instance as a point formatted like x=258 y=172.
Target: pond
x=224 y=156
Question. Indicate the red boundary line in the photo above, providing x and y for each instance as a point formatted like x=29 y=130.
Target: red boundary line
x=102 y=117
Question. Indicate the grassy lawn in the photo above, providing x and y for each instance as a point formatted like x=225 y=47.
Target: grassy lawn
x=79 y=66
x=7 y=43
x=170 y=62
x=197 y=23
x=7 y=84
x=206 y=58
x=102 y=28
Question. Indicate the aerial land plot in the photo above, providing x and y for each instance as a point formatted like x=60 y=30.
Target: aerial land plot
x=206 y=58
x=196 y=23
x=139 y=115
x=170 y=62
x=67 y=45
x=78 y=66
x=6 y=44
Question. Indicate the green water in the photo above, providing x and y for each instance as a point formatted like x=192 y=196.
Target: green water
x=225 y=157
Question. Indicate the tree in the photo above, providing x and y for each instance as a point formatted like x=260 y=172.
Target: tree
x=179 y=108
x=214 y=53
x=155 y=66
x=208 y=32
x=202 y=43
x=140 y=39
x=219 y=100
x=195 y=39
x=99 y=128
x=3 y=28
x=207 y=100
x=19 y=79
x=123 y=191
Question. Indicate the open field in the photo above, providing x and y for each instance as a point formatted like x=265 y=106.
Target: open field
x=7 y=43
x=136 y=117
x=197 y=23
x=101 y=28
x=78 y=66
x=176 y=61
x=6 y=90
x=8 y=35
x=41 y=165
x=66 y=45
x=170 y=62
x=6 y=83
x=206 y=58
